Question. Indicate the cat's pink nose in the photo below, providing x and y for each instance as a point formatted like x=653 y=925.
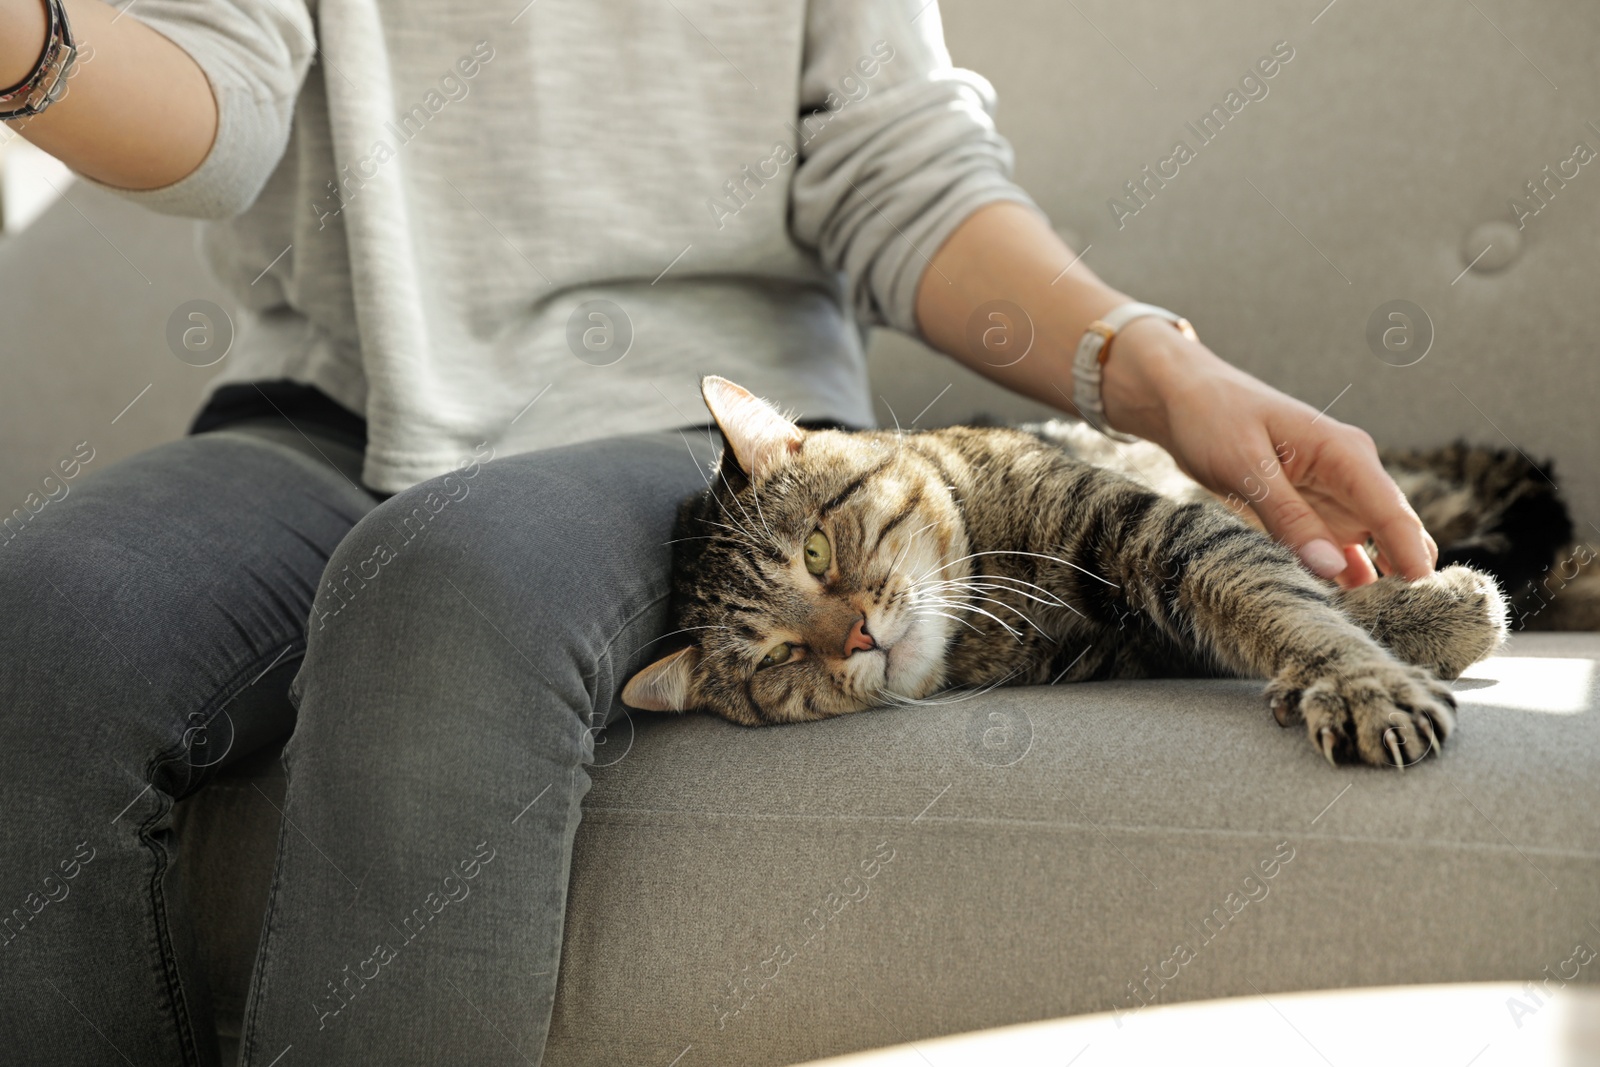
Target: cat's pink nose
x=859 y=640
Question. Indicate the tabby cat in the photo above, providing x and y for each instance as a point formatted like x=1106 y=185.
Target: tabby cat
x=825 y=572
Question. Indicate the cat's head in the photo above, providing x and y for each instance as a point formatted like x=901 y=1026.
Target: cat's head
x=805 y=574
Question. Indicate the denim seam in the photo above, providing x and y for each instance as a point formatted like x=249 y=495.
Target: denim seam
x=181 y=1016
x=557 y=915
x=593 y=679
x=177 y=997
x=248 y=1037
x=227 y=693
x=594 y=671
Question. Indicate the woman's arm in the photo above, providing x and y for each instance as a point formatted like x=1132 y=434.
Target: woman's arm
x=1222 y=426
x=138 y=112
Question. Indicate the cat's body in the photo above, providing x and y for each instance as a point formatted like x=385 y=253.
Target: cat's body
x=826 y=572
x=1498 y=511
x=1492 y=509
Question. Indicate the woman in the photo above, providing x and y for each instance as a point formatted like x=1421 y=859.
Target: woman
x=487 y=250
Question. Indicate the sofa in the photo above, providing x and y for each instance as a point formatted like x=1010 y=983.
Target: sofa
x=761 y=897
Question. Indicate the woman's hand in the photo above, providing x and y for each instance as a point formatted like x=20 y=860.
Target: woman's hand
x=1315 y=483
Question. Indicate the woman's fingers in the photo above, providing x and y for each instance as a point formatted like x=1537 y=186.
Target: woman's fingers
x=1368 y=493
x=1342 y=472
x=1291 y=520
x=1360 y=570
x=1321 y=489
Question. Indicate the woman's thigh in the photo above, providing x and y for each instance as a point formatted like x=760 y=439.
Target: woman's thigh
x=468 y=641
x=155 y=614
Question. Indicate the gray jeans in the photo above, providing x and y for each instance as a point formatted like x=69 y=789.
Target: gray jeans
x=467 y=639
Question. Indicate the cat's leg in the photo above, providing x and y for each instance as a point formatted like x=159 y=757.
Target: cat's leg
x=1445 y=622
x=1243 y=602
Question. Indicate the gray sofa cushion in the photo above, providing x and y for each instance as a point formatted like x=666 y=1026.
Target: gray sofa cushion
x=768 y=896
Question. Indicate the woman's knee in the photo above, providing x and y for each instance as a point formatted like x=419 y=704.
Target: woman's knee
x=141 y=600
x=512 y=581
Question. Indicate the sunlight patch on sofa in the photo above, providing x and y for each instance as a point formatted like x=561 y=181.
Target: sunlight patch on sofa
x=1531 y=683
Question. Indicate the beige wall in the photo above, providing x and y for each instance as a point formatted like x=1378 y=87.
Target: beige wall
x=87 y=293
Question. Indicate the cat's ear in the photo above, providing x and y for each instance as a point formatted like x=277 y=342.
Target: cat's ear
x=665 y=685
x=759 y=438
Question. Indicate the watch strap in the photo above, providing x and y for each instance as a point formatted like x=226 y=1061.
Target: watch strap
x=1095 y=347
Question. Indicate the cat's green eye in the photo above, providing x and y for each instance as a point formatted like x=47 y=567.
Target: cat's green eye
x=819 y=553
x=779 y=653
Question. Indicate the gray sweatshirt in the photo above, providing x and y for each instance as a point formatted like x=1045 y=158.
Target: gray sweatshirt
x=535 y=223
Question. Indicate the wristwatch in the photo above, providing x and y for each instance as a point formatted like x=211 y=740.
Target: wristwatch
x=1095 y=348
x=47 y=81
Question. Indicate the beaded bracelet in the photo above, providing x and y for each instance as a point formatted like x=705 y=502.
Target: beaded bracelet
x=47 y=81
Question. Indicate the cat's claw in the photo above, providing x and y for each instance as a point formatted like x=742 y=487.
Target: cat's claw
x=1376 y=711
x=1391 y=738
x=1425 y=724
x=1285 y=704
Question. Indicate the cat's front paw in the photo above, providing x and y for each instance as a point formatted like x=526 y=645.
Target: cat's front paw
x=1376 y=711
x=1445 y=622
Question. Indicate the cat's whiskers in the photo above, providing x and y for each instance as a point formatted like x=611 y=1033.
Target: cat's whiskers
x=684 y=630
x=955 y=696
x=717 y=469
x=979 y=587
x=755 y=496
x=923 y=593
x=740 y=534
x=899 y=434
x=945 y=615
x=995 y=601
x=907 y=546
x=983 y=591
x=771 y=537
x=960 y=606
x=705 y=474
x=744 y=527
x=1019 y=552
x=1014 y=631
x=982 y=582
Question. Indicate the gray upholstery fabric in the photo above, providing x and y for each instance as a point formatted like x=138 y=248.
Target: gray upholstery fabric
x=1025 y=854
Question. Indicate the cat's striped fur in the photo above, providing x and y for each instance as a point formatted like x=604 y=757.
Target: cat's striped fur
x=970 y=557
x=1497 y=510
x=1492 y=509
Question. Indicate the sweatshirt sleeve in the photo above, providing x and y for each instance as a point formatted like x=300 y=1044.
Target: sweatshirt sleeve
x=898 y=148
x=255 y=54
